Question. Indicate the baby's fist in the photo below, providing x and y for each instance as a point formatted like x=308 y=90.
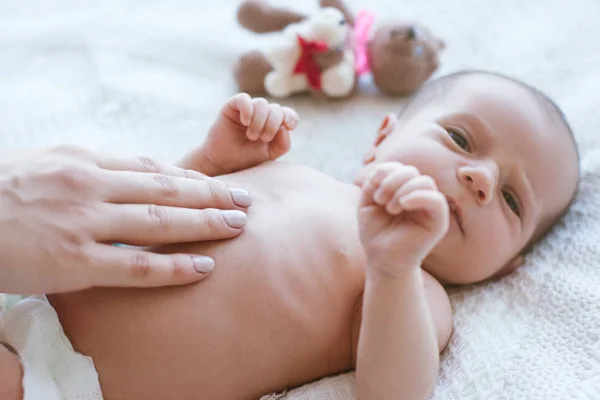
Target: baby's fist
x=402 y=217
x=247 y=133
x=262 y=119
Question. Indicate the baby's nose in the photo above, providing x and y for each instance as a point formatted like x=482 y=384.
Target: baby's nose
x=481 y=181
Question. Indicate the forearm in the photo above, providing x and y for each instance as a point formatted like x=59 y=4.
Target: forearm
x=397 y=351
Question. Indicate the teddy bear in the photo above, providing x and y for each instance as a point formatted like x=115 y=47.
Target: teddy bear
x=327 y=52
x=291 y=57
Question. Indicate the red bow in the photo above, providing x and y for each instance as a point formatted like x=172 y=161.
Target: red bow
x=306 y=63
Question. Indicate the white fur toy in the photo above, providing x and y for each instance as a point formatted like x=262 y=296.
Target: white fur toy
x=292 y=57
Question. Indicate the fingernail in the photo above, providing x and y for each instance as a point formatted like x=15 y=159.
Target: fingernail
x=203 y=264
x=241 y=198
x=235 y=218
x=290 y=124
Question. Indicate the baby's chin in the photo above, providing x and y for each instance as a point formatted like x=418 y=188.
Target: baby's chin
x=455 y=274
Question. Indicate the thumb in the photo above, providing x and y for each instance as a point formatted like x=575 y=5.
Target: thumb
x=135 y=267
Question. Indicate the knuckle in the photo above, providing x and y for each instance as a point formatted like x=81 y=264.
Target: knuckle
x=217 y=191
x=412 y=170
x=178 y=265
x=159 y=216
x=148 y=164
x=210 y=220
x=261 y=103
x=440 y=198
x=140 y=266
x=72 y=176
x=381 y=169
x=429 y=181
x=72 y=246
x=191 y=174
x=219 y=184
x=274 y=107
x=72 y=251
x=167 y=185
x=260 y=100
x=72 y=150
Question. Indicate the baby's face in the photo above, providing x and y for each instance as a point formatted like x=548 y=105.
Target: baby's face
x=507 y=165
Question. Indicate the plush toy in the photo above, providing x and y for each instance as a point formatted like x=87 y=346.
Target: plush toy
x=328 y=51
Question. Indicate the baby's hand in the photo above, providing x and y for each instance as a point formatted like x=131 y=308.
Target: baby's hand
x=402 y=217
x=248 y=132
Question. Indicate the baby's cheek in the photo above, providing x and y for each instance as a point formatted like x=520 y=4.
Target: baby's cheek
x=427 y=156
x=493 y=245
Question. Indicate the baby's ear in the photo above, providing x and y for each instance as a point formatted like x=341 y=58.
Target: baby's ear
x=387 y=126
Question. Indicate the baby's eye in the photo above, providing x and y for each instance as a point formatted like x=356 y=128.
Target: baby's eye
x=459 y=139
x=512 y=203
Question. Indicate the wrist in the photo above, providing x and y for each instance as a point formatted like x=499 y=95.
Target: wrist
x=199 y=161
x=378 y=273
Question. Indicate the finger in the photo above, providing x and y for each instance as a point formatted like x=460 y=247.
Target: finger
x=281 y=144
x=241 y=103
x=146 y=165
x=131 y=267
x=134 y=188
x=274 y=121
x=394 y=179
x=432 y=203
x=259 y=118
x=290 y=118
x=373 y=181
x=138 y=224
x=421 y=182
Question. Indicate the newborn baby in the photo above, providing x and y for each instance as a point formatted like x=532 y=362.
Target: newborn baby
x=330 y=276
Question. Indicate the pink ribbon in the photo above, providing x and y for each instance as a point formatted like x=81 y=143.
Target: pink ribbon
x=362 y=26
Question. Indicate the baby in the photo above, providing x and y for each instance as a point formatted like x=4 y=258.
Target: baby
x=328 y=276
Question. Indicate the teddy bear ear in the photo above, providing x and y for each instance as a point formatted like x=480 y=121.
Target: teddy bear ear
x=339 y=4
x=259 y=16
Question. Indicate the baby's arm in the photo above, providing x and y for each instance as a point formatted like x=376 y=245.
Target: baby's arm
x=11 y=375
x=405 y=319
x=247 y=133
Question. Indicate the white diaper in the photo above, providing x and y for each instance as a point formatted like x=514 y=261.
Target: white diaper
x=52 y=369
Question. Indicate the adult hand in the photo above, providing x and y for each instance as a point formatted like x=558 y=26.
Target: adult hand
x=62 y=208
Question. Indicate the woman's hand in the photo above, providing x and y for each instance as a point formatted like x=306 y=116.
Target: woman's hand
x=62 y=208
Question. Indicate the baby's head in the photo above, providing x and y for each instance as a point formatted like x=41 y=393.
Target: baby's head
x=501 y=151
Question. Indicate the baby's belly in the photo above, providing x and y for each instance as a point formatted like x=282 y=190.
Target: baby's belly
x=276 y=312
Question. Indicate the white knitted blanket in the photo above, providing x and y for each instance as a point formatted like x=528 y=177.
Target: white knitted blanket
x=148 y=76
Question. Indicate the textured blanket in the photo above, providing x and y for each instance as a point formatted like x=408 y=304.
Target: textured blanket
x=148 y=76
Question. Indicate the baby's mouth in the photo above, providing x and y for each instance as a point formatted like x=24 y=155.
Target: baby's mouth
x=455 y=212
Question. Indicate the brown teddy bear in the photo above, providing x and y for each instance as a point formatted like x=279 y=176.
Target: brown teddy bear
x=328 y=51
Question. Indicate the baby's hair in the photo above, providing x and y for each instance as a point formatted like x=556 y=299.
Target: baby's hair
x=438 y=88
